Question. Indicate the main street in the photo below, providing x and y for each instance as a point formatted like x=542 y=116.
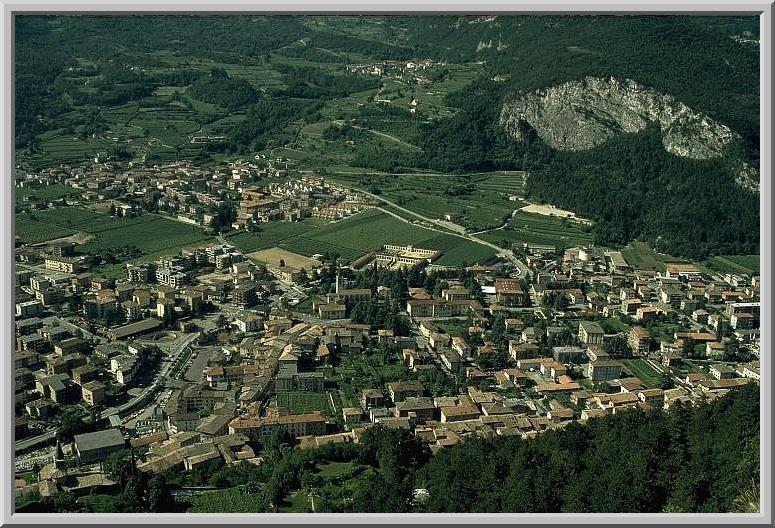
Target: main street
x=173 y=354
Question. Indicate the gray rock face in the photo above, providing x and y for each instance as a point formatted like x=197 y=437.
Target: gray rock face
x=580 y=115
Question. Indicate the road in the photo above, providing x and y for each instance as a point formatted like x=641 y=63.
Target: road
x=522 y=269
x=141 y=399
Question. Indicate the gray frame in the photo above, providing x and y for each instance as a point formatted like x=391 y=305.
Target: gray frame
x=698 y=7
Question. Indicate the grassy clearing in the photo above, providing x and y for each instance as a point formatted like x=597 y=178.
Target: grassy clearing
x=299 y=402
x=640 y=256
x=332 y=470
x=643 y=371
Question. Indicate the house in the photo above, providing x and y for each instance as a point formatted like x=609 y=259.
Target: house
x=421 y=408
x=451 y=360
x=639 y=340
x=653 y=397
x=547 y=388
x=459 y=413
x=255 y=428
x=97 y=446
x=401 y=390
x=509 y=292
x=598 y=371
x=519 y=350
x=352 y=415
x=371 y=398
x=590 y=333
x=93 y=393
x=722 y=371
x=682 y=271
x=460 y=346
x=568 y=354
x=332 y=311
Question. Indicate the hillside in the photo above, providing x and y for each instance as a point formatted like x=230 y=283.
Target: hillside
x=530 y=93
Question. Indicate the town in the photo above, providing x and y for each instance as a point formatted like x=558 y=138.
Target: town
x=201 y=353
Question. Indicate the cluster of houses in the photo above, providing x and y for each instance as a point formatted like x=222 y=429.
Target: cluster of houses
x=582 y=335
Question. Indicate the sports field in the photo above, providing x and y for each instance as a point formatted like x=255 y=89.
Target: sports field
x=273 y=256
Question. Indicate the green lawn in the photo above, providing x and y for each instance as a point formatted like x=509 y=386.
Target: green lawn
x=299 y=402
x=642 y=370
x=330 y=470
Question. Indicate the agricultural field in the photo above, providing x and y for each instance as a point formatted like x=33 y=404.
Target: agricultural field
x=747 y=264
x=47 y=193
x=225 y=501
x=370 y=230
x=154 y=236
x=148 y=236
x=540 y=229
x=480 y=200
x=32 y=231
x=640 y=256
x=271 y=234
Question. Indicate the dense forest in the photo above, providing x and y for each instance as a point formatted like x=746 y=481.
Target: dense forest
x=684 y=460
x=633 y=188
x=217 y=87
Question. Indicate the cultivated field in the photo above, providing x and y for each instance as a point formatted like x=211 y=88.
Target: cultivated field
x=151 y=235
x=640 y=256
x=748 y=264
x=540 y=229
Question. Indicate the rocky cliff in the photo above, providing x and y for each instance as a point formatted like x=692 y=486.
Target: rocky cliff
x=580 y=115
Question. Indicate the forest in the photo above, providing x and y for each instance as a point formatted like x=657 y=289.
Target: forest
x=634 y=189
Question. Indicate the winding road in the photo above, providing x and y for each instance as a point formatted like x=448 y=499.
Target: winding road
x=522 y=269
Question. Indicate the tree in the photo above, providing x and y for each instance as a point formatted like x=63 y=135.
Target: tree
x=618 y=346
x=160 y=498
x=65 y=502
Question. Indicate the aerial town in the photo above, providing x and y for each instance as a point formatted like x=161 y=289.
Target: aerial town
x=206 y=352
x=387 y=263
